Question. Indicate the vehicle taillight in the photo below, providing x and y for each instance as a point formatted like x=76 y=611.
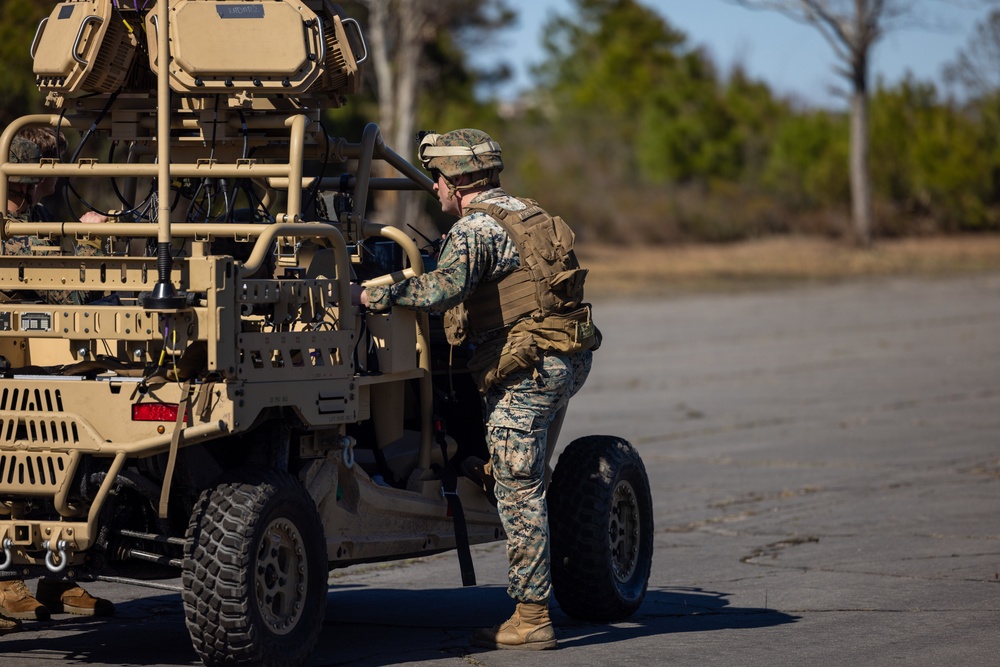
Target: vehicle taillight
x=154 y=412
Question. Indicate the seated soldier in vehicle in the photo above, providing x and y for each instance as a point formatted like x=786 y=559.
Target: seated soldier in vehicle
x=52 y=145
x=16 y=601
x=21 y=205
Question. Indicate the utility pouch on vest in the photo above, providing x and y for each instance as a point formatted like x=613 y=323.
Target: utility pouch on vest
x=564 y=332
x=495 y=362
x=568 y=286
x=456 y=324
x=549 y=242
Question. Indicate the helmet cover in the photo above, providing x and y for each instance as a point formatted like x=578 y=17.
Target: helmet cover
x=465 y=151
x=23 y=151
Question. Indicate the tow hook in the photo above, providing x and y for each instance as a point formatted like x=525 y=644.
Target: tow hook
x=49 y=553
x=8 y=557
x=347 y=451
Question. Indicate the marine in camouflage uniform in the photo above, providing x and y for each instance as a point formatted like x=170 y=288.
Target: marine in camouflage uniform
x=24 y=151
x=519 y=409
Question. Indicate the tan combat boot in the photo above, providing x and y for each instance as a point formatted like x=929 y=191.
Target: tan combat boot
x=16 y=601
x=8 y=625
x=529 y=629
x=67 y=596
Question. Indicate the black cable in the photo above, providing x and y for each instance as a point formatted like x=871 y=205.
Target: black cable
x=225 y=198
x=189 y=215
x=76 y=154
x=114 y=181
x=314 y=190
x=245 y=132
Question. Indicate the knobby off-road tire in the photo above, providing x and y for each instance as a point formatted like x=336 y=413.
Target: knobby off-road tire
x=255 y=572
x=601 y=527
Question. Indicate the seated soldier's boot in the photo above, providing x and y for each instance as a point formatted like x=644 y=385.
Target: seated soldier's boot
x=16 y=601
x=529 y=629
x=67 y=596
x=8 y=625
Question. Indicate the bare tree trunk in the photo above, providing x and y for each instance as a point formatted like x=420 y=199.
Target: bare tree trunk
x=380 y=45
x=413 y=22
x=852 y=29
x=861 y=191
x=396 y=28
x=858 y=48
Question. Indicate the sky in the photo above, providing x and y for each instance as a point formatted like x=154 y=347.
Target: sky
x=792 y=58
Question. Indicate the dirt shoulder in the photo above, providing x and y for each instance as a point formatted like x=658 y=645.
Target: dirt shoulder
x=776 y=262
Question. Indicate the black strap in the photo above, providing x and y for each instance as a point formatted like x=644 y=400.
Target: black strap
x=449 y=484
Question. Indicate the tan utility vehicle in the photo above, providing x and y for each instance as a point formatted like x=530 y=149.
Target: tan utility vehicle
x=217 y=409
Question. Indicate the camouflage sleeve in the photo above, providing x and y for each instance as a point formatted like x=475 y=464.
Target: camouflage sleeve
x=475 y=248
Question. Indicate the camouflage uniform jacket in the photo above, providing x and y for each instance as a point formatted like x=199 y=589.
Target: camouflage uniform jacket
x=476 y=250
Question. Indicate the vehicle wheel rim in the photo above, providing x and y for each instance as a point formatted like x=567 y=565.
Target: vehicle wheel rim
x=623 y=532
x=281 y=576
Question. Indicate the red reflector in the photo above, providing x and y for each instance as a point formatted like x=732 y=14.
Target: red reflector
x=154 y=412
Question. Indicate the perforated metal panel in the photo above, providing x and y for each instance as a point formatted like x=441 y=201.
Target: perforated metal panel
x=34 y=472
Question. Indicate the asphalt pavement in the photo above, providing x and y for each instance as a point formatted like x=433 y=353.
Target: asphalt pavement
x=825 y=465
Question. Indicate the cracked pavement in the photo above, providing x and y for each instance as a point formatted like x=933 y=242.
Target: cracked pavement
x=826 y=486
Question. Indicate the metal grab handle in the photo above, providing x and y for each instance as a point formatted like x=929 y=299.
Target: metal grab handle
x=79 y=36
x=321 y=59
x=361 y=38
x=155 y=21
x=49 y=560
x=8 y=556
x=395 y=234
x=38 y=35
x=391 y=278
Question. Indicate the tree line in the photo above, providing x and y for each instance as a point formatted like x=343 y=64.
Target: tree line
x=635 y=134
x=677 y=150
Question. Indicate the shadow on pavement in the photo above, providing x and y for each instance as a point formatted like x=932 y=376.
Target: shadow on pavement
x=670 y=611
x=147 y=631
x=368 y=626
x=373 y=627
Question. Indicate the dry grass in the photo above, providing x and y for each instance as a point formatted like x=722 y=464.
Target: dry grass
x=772 y=262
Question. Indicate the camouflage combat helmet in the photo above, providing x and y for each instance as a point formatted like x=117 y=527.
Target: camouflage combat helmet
x=23 y=151
x=463 y=151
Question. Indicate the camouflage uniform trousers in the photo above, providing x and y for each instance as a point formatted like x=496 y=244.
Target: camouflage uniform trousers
x=518 y=414
x=22 y=245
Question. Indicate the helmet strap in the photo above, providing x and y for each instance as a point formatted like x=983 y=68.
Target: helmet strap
x=486 y=181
